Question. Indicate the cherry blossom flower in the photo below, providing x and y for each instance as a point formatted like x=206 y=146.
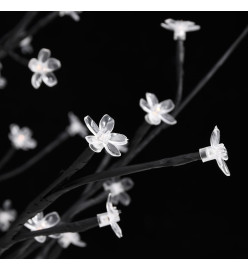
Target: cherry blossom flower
x=76 y=126
x=157 y=112
x=21 y=138
x=103 y=136
x=180 y=27
x=70 y=238
x=216 y=151
x=7 y=216
x=41 y=222
x=73 y=14
x=43 y=68
x=110 y=218
x=118 y=190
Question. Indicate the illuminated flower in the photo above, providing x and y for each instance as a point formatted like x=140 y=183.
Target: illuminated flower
x=41 y=222
x=180 y=27
x=110 y=218
x=71 y=238
x=216 y=151
x=43 y=68
x=21 y=138
x=118 y=190
x=7 y=216
x=73 y=14
x=157 y=112
x=76 y=126
x=103 y=136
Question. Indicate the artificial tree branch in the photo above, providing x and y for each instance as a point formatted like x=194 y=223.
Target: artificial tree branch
x=180 y=72
x=12 y=38
x=45 y=151
x=7 y=157
x=31 y=32
x=41 y=202
x=166 y=162
x=194 y=92
x=79 y=226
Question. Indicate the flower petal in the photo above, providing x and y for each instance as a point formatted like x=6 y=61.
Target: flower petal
x=91 y=125
x=43 y=55
x=127 y=183
x=116 y=228
x=124 y=198
x=144 y=105
x=118 y=139
x=96 y=147
x=113 y=150
x=33 y=63
x=168 y=119
x=49 y=79
x=166 y=106
x=40 y=239
x=91 y=139
x=53 y=64
x=107 y=123
x=222 y=165
x=215 y=136
x=151 y=99
x=36 y=80
x=51 y=220
x=150 y=119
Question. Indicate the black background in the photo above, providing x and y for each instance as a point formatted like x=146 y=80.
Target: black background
x=109 y=61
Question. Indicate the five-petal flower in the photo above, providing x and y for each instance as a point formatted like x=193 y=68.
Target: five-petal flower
x=76 y=126
x=43 y=68
x=41 y=222
x=71 y=238
x=73 y=14
x=180 y=27
x=103 y=136
x=157 y=112
x=7 y=216
x=216 y=151
x=21 y=138
x=118 y=190
x=110 y=218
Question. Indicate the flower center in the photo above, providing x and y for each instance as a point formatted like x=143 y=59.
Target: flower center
x=103 y=137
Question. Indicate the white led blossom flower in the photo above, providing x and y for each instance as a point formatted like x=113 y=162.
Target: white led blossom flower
x=3 y=81
x=76 y=126
x=21 y=138
x=7 y=216
x=41 y=222
x=73 y=14
x=157 y=112
x=216 y=151
x=26 y=46
x=103 y=136
x=118 y=190
x=43 y=68
x=110 y=218
x=71 y=238
x=180 y=27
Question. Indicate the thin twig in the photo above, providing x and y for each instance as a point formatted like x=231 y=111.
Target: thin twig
x=7 y=157
x=45 y=151
x=180 y=72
